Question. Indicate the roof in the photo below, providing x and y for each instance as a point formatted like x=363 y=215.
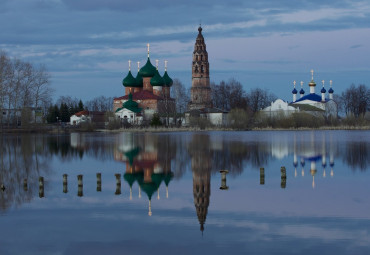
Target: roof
x=312 y=97
x=148 y=70
x=307 y=108
x=130 y=105
x=129 y=80
x=157 y=80
x=167 y=79
x=141 y=95
x=78 y=114
x=206 y=110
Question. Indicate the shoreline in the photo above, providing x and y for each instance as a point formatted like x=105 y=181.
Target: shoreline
x=55 y=130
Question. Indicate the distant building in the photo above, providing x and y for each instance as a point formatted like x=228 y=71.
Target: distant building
x=201 y=99
x=14 y=117
x=279 y=108
x=96 y=117
x=148 y=89
x=310 y=103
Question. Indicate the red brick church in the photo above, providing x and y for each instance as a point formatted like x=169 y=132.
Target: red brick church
x=149 y=89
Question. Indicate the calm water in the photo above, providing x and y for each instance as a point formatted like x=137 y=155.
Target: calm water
x=169 y=197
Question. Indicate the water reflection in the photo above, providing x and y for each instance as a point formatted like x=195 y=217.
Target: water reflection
x=151 y=160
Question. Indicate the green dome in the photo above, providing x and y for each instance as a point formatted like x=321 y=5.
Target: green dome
x=157 y=80
x=130 y=105
x=132 y=154
x=129 y=178
x=129 y=80
x=167 y=80
x=139 y=80
x=167 y=178
x=148 y=70
x=157 y=178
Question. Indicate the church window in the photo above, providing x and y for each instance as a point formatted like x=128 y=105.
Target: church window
x=201 y=57
x=196 y=69
x=196 y=58
x=201 y=69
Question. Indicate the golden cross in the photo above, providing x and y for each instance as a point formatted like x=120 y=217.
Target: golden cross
x=165 y=65
x=148 y=49
x=129 y=65
x=138 y=66
x=294 y=82
x=331 y=83
x=312 y=73
x=301 y=84
x=156 y=63
x=323 y=82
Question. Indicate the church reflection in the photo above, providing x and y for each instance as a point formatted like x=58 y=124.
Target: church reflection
x=313 y=152
x=147 y=161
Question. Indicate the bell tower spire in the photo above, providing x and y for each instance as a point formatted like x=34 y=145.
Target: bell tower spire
x=200 y=88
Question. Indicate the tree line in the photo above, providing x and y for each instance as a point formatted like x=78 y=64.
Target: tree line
x=66 y=106
x=22 y=86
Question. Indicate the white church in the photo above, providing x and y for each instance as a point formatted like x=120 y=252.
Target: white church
x=310 y=103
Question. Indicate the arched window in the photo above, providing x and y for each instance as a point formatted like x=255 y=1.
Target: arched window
x=196 y=58
x=201 y=69
x=196 y=69
x=201 y=57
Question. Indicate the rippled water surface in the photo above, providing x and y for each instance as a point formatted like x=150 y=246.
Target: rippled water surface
x=163 y=193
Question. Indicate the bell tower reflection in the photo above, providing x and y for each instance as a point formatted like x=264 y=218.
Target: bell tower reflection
x=201 y=165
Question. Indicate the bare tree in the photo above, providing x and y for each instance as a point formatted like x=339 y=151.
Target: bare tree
x=229 y=95
x=181 y=95
x=100 y=103
x=356 y=100
x=259 y=98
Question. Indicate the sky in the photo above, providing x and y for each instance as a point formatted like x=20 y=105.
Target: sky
x=86 y=44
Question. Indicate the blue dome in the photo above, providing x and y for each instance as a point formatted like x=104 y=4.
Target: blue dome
x=294 y=91
x=301 y=92
x=331 y=91
x=323 y=90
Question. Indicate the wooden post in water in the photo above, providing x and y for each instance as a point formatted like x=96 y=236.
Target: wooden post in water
x=65 y=183
x=262 y=176
x=80 y=185
x=41 y=187
x=283 y=177
x=25 y=185
x=118 y=184
x=223 y=180
x=98 y=182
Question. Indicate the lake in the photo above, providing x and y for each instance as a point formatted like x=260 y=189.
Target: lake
x=284 y=192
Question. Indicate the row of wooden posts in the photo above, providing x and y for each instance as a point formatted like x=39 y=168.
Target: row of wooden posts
x=118 y=182
x=65 y=184
x=262 y=178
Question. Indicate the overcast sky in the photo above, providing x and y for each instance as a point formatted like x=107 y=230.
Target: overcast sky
x=86 y=44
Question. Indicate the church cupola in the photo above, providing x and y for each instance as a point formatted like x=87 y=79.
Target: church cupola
x=323 y=91
x=301 y=92
x=147 y=72
x=129 y=82
x=294 y=92
x=157 y=81
x=312 y=84
x=331 y=91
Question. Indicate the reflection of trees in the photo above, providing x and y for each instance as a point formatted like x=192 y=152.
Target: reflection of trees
x=98 y=147
x=235 y=155
x=356 y=155
x=22 y=157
